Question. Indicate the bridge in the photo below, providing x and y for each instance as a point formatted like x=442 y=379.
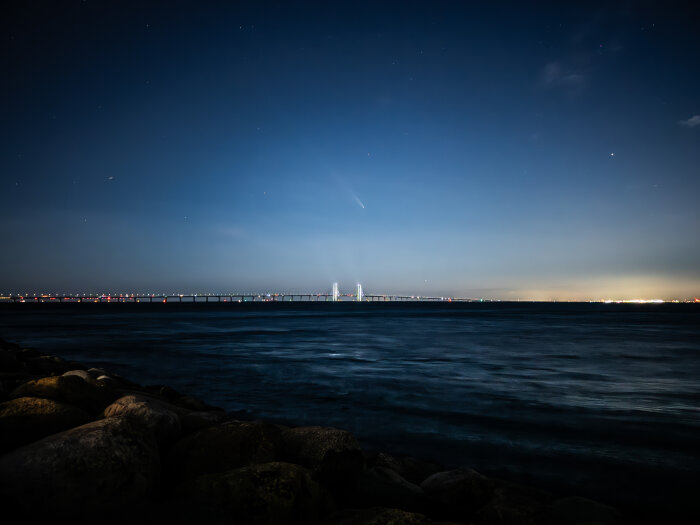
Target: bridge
x=334 y=296
x=217 y=298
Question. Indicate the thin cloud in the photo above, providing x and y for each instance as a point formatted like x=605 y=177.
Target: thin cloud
x=691 y=122
x=556 y=75
x=232 y=231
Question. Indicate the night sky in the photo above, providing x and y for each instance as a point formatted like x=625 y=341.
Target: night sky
x=499 y=150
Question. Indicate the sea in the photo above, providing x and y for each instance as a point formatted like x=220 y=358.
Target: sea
x=601 y=400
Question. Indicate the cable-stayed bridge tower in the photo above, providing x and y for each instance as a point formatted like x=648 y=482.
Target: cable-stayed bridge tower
x=336 y=294
x=359 y=292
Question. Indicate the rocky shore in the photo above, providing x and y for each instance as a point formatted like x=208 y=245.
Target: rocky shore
x=81 y=444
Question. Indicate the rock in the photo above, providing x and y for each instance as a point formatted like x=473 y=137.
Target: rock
x=333 y=454
x=310 y=445
x=266 y=494
x=109 y=466
x=27 y=419
x=109 y=382
x=458 y=494
x=412 y=469
x=381 y=486
x=83 y=374
x=49 y=364
x=96 y=372
x=158 y=417
x=228 y=446
x=114 y=380
x=163 y=390
x=10 y=363
x=72 y=390
x=193 y=421
x=192 y=403
x=512 y=504
x=377 y=516
x=11 y=380
x=576 y=510
x=124 y=383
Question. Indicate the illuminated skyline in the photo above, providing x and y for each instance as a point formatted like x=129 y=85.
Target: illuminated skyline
x=501 y=150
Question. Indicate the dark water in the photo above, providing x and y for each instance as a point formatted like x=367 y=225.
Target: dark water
x=599 y=399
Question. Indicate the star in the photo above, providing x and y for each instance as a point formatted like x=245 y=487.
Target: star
x=612 y=154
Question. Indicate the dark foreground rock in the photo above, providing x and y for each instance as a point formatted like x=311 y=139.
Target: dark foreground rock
x=27 y=419
x=578 y=511
x=228 y=446
x=411 y=469
x=333 y=455
x=264 y=494
x=105 y=466
x=512 y=504
x=459 y=493
x=378 y=516
x=383 y=487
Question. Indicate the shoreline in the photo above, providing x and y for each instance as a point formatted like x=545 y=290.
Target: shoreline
x=47 y=402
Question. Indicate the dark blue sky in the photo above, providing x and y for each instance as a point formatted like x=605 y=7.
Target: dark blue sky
x=490 y=149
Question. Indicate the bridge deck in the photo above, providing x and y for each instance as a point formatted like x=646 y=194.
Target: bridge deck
x=232 y=297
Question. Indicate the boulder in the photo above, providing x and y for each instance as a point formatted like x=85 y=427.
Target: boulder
x=72 y=390
x=228 y=446
x=109 y=381
x=412 y=469
x=377 y=516
x=334 y=455
x=83 y=374
x=27 y=419
x=165 y=391
x=96 y=372
x=11 y=380
x=158 y=417
x=458 y=494
x=109 y=466
x=576 y=510
x=25 y=354
x=192 y=403
x=114 y=379
x=49 y=364
x=9 y=361
x=382 y=487
x=197 y=420
x=309 y=446
x=512 y=504
x=265 y=494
